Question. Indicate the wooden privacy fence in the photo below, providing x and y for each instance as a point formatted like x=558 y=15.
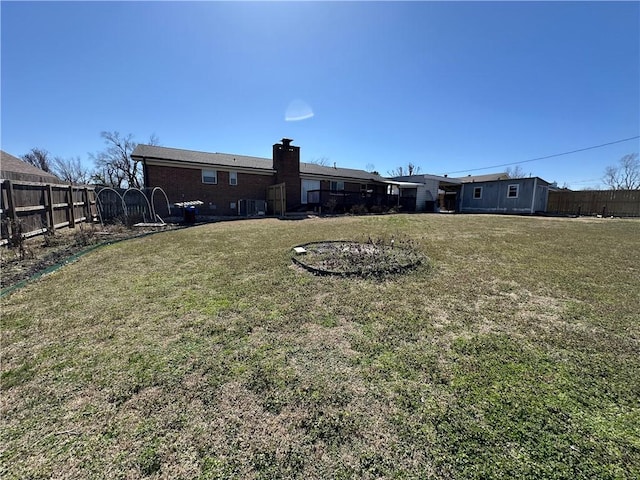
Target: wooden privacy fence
x=619 y=203
x=39 y=207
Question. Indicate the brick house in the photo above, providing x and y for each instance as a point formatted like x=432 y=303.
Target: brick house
x=223 y=180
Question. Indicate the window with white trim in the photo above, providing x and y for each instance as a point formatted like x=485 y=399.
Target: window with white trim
x=233 y=178
x=337 y=186
x=512 y=191
x=477 y=193
x=210 y=177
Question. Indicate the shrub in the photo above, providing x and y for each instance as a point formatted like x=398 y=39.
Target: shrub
x=358 y=209
x=86 y=235
x=16 y=240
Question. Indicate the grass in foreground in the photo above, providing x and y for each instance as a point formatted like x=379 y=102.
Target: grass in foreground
x=202 y=353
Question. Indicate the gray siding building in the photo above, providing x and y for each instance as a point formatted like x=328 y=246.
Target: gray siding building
x=516 y=195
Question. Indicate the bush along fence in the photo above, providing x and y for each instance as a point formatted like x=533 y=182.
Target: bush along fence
x=34 y=208
x=618 y=203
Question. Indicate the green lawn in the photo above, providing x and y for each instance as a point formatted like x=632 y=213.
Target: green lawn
x=203 y=353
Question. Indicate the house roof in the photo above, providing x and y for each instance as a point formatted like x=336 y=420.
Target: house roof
x=204 y=158
x=243 y=161
x=421 y=178
x=13 y=168
x=509 y=180
x=484 y=178
x=337 y=172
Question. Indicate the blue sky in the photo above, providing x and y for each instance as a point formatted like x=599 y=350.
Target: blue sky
x=448 y=86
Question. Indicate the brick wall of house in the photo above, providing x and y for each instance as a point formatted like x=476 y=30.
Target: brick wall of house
x=185 y=184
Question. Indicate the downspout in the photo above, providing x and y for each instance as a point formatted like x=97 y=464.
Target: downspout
x=461 y=199
x=533 y=197
x=144 y=172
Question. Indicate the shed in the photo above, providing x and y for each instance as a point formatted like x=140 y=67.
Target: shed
x=513 y=195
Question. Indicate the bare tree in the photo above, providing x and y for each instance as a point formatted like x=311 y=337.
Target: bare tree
x=71 y=170
x=39 y=157
x=322 y=161
x=625 y=175
x=516 y=172
x=411 y=169
x=114 y=165
x=371 y=168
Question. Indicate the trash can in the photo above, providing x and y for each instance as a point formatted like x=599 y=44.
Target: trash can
x=190 y=214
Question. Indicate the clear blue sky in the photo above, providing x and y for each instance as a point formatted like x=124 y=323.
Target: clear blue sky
x=448 y=86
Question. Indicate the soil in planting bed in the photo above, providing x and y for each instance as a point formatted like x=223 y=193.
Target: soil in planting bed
x=351 y=258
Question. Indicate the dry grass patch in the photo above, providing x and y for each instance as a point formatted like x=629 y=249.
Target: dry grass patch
x=202 y=353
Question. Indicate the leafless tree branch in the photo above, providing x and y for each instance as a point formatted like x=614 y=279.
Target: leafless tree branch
x=39 y=157
x=400 y=171
x=625 y=175
x=114 y=165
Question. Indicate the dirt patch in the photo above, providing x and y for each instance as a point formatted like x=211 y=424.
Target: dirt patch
x=351 y=258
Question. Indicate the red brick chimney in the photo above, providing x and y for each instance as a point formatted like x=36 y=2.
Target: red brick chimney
x=286 y=163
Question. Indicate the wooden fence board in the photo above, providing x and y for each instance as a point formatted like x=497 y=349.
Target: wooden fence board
x=619 y=203
x=276 y=199
x=42 y=206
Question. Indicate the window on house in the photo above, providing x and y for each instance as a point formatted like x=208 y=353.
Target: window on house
x=210 y=177
x=233 y=178
x=337 y=186
x=477 y=192
x=512 y=192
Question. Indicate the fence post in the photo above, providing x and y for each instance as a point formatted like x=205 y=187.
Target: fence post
x=71 y=213
x=49 y=205
x=93 y=205
x=86 y=209
x=11 y=207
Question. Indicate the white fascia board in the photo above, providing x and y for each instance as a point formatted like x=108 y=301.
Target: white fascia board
x=337 y=178
x=407 y=184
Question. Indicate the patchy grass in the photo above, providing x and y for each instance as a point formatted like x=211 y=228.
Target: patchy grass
x=202 y=353
x=29 y=257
